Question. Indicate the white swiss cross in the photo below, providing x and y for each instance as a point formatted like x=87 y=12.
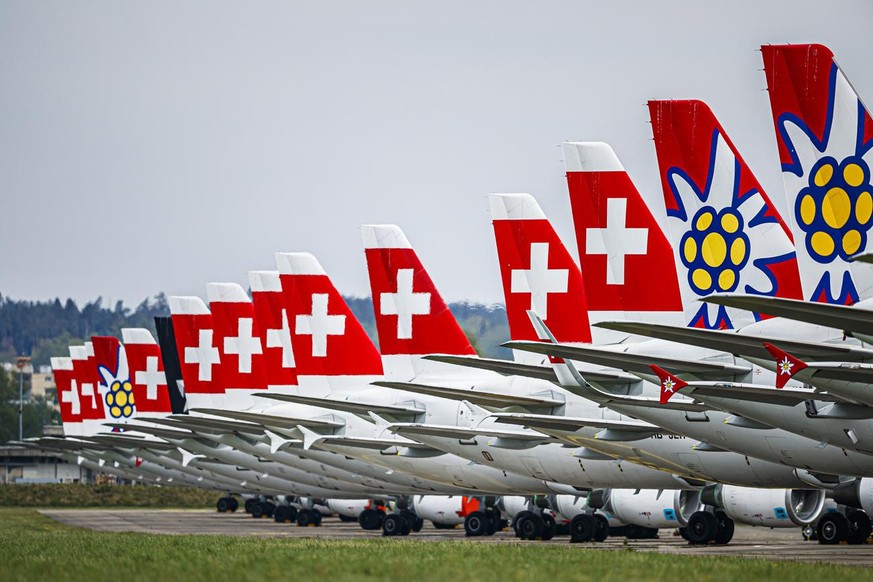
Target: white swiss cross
x=319 y=324
x=87 y=389
x=281 y=338
x=616 y=241
x=151 y=378
x=205 y=355
x=405 y=303
x=539 y=280
x=245 y=345
x=72 y=396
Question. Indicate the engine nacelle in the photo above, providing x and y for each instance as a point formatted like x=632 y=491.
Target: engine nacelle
x=857 y=493
x=440 y=509
x=348 y=507
x=767 y=507
x=650 y=507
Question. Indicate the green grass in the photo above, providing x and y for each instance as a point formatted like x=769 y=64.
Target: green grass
x=81 y=495
x=34 y=547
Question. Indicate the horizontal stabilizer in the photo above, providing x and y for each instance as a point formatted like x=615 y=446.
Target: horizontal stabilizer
x=536 y=371
x=283 y=422
x=361 y=408
x=479 y=397
x=463 y=433
x=638 y=363
x=758 y=393
x=744 y=345
x=570 y=423
x=209 y=425
x=842 y=317
x=372 y=443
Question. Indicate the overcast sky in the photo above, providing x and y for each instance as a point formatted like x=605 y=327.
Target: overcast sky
x=157 y=146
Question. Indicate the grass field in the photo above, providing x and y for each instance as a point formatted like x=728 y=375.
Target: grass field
x=81 y=495
x=35 y=547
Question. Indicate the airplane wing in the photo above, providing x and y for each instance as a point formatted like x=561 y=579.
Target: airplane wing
x=282 y=422
x=154 y=430
x=537 y=371
x=116 y=440
x=361 y=408
x=482 y=398
x=464 y=433
x=628 y=361
x=746 y=345
x=758 y=393
x=569 y=423
x=372 y=443
x=210 y=425
x=841 y=317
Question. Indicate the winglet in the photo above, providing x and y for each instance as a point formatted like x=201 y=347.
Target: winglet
x=786 y=364
x=567 y=374
x=277 y=441
x=187 y=456
x=670 y=384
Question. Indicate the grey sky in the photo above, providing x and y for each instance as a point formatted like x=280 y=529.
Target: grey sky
x=156 y=146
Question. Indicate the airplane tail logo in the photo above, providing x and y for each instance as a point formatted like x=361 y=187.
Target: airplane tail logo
x=825 y=135
x=726 y=233
x=622 y=249
x=237 y=336
x=411 y=316
x=199 y=356
x=328 y=339
x=538 y=272
x=280 y=365
x=115 y=386
x=786 y=364
x=670 y=384
x=147 y=376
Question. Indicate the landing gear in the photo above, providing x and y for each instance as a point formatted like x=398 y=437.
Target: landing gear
x=224 y=504
x=249 y=504
x=371 y=519
x=308 y=517
x=415 y=522
x=859 y=527
x=476 y=524
x=529 y=525
x=702 y=527
x=725 y=528
x=602 y=530
x=395 y=524
x=285 y=514
x=832 y=528
x=582 y=528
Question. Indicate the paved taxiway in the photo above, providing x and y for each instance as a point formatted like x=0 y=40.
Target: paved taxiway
x=748 y=541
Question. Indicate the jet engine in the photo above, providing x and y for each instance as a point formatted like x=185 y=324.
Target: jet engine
x=768 y=507
x=647 y=507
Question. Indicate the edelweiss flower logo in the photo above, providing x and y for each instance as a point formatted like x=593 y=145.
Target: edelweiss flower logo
x=731 y=240
x=117 y=389
x=785 y=366
x=669 y=385
x=831 y=176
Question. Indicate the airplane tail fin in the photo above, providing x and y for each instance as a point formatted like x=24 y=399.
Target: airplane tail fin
x=68 y=394
x=726 y=233
x=87 y=380
x=328 y=339
x=670 y=384
x=537 y=271
x=198 y=354
x=622 y=249
x=786 y=364
x=825 y=136
x=280 y=366
x=412 y=319
x=147 y=376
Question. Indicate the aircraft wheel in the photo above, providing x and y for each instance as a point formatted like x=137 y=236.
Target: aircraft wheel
x=257 y=509
x=222 y=505
x=371 y=519
x=549 y=527
x=602 y=530
x=415 y=522
x=393 y=525
x=305 y=518
x=859 y=527
x=249 y=503
x=281 y=515
x=476 y=524
x=582 y=528
x=832 y=528
x=269 y=508
x=725 y=528
x=234 y=504
x=702 y=527
x=316 y=517
x=530 y=526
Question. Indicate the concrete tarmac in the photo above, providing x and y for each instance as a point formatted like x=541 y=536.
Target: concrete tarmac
x=749 y=542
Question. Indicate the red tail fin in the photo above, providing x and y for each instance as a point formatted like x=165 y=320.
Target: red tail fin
x=537 y=270
x=328 y=339
x=622 y=248
x=786 y=364
x=237 y=337
x=68 y=391
x=146 y=371
x=411 y=316
x=670 y=384
x=195 y=342
x=275 y=327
